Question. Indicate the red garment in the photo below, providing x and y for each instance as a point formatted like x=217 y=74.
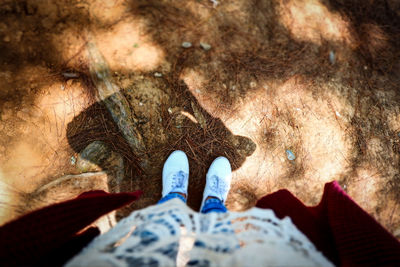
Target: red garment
x=49 y=236
x=346 y=234
x=338 y=227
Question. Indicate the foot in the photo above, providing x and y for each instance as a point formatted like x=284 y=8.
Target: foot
x=175 y=174
x=218 y=180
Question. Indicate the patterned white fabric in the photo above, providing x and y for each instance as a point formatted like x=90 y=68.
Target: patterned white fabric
x=171 y=234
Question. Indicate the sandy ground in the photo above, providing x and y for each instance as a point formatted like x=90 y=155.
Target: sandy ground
x=261 y=79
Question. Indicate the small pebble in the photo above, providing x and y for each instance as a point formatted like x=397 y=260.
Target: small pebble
x=215 y=3
x=73 y=160
x=157 y=74
x=170 y=110
x=205 y=46
x=290 y=155
x=140 y=104
x=332 y=57
x=70 y=75
x=62 y=87
x=186 y=44
x=253 y=84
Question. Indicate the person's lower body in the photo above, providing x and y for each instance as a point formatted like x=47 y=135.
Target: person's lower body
x=176 y=177
x=210 y=205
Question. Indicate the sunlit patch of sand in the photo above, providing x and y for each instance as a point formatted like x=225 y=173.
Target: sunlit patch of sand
x=58 y=107
x=37 y=146
x=195 y=82
x=394 y=121
x=8 y=197
x=24 y=163
x=108 y=12
x=201 y=11
x=363 y=187
x=124 y=46
x=117 y=33
x=310 y=20
x=281 y=116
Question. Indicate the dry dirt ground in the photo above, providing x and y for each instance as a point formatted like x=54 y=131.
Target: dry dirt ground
x=314 y=77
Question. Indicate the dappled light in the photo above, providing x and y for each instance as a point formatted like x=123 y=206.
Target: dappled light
x=365 y=177
x=9 y=198
x=311 y=20
x=125 y=48
x=195 y=82
x=289 y=117
x=294 y=93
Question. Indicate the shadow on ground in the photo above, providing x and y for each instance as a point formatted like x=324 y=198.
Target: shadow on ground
x=254 y=51
x=187 y=127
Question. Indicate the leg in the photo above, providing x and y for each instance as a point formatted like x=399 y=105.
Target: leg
x=213 y=204
x=218 y=183
x=175 y=177
x=171 y=196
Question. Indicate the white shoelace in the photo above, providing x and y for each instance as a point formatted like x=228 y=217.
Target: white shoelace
x=219 y=187
x=178 y=180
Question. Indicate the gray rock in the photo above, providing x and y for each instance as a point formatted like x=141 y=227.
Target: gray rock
x=93 y=156
x=70 y=75
x=332 y=57
x=215 y=3
x=205 y=46
x=98 y=156
x=186 y=44
x=290 y=155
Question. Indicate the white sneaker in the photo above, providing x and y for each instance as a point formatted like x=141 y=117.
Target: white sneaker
x=218 y=180
x=175 y=174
